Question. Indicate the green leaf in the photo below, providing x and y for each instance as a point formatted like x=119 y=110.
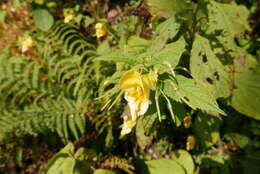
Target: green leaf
x=246 y=95
x=166 y=8
x=63 y=165
x=103 y=171
x=169 y=56
x=185 y=160
x=163 y=166
x=206 y=129
x=142 y=139
x=192 y=93
x=119 y=56
x=207 y=68
x=230 y=18
x=43 y=19
x=62 y=154
x=164 y=31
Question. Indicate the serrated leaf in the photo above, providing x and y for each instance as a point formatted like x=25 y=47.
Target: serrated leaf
x=230 y=18
x=192 y=93
x=207 y=68
x=163 y=166
x=184 y=158
x=206 y=129
x=169 y=56
x=43 y=19
x=246 y=95
x=164 y=31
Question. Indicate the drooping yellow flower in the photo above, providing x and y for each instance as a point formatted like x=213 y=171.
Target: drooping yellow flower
x=68 y=16
x=137 y=92
x=26 y=43
x=127 y=125
x=190 y=142
x=100 y=30
x=187 y=121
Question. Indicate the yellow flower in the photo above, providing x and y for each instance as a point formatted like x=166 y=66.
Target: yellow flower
x=127 y=125
x=187 y=121
x=100 y=30
x=26 y=43
x=137 y=92
x=68 y=16
x=190 y=144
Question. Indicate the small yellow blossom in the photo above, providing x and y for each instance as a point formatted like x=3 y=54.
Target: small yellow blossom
x=187 y=121
x=100 y=30
x=68 y=16
x=190 y=142
x=26 y=43
x=127 y=125
x=137 y=92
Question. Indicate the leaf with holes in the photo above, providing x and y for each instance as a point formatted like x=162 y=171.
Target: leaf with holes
x=207 y=68
x=231 y=19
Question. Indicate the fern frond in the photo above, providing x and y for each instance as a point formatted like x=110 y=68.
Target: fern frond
x=59 y=116
x=116 y=162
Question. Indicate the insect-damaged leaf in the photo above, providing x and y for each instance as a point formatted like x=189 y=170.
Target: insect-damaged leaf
x=207 y=68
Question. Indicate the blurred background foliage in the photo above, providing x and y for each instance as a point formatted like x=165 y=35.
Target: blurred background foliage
x=61 y=107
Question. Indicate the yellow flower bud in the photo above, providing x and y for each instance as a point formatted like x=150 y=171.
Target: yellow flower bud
x=187 y=121
x=100 y=30
x=127 y=125
x=190 y=142
x=137 y=92
x=68 y=16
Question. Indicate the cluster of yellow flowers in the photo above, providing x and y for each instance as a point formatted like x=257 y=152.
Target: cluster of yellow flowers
x=100 y=30
x=26 y=43
x=137 y=93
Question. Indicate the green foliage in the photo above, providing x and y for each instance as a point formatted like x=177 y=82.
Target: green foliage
x=43 y=19
x=197 y=72
x=162 y=165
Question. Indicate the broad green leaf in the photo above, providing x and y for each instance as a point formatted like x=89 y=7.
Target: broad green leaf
x=103 y=171
x=169 y=56
x=164 y=31
x=246 y=95
x=207 y=68
x=192 y=93
x=184 y=158
x=206 y=129
x=166 y=8
x=231 y=19
x=63 y=165
x=61 y=155
x=163 y=166
x=43 y=19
